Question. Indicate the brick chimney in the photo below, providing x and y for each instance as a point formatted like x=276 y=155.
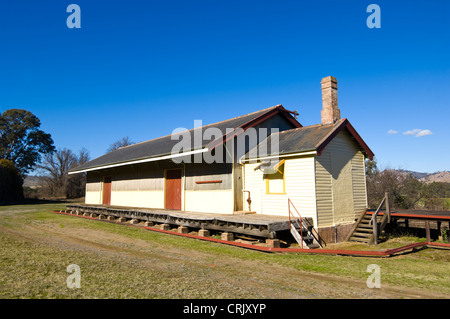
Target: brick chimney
x=330 y=111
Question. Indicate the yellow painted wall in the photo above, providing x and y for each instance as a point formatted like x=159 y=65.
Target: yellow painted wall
x=340 y=182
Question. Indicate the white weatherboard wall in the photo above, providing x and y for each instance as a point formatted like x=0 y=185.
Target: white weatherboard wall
x=299 y=188
x=149 y=192
x=93 y=192
x=93 y=198
x=152 y=199
x=209 y=201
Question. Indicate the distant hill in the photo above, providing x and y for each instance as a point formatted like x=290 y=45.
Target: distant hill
x=442 y=176
x=31 y=181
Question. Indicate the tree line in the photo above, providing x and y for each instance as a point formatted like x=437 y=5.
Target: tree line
x=405 y=191
x=25 y=147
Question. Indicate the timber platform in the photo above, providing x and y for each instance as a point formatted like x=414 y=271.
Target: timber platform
x=259 y=225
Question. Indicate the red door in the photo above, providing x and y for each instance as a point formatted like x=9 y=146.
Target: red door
x=173 y=189
x=107 y=191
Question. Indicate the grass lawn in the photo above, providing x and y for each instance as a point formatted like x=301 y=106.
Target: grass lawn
x=116 y=261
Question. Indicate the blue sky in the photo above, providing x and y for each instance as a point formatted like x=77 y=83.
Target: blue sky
x=143 y=68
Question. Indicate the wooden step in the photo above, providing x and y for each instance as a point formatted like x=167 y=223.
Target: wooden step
x=360 y=239
x=364 y=230
x=365 y=235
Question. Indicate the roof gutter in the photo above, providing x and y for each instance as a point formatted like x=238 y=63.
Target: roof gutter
x=145 y=160
x=304 y=153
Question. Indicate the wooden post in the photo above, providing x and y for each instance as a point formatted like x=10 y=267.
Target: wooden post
x=448 y=233
x=427 y=229
x=375 y=229
x=440 y=237
x=388 y=209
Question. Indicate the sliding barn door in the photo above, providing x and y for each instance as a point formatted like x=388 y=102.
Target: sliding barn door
x=107 y=191
x=173 y=189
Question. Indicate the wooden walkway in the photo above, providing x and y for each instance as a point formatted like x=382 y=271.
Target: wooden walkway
x=425 y=219
x=259 y=225
x=419 y=214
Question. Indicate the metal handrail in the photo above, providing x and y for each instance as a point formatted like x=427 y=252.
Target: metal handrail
x=298 y=221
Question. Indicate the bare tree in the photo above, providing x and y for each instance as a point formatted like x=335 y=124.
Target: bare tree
x=124 y=141
x=55 y=170
x=76 y=184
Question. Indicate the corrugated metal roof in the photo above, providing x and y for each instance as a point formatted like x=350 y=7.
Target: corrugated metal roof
x=164 y=145
x=296 y=140
x=304 y=139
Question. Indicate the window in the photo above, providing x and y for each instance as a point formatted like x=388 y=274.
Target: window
x=275 y=180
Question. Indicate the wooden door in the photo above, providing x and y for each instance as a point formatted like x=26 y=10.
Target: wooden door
x=107 y=190
x=237 y=186
x=173 y=189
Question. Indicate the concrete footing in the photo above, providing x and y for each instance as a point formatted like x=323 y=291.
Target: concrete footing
x=203 y=233
x=164 y=227
x=122 y=220
x=227 y=236
x=273 y=243
x=182 y=230
x=148 y=224
x=134 y=222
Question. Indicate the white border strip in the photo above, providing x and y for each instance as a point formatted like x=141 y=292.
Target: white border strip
x=153 y=159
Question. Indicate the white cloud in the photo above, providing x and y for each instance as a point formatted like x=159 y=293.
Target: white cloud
x=418 y=132
x=392 y=132
x=424 y=133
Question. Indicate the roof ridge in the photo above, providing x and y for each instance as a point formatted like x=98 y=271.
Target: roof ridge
x=314 y=125
x=188 y=130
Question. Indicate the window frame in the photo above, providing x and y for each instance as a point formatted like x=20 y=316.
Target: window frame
x=283 y=173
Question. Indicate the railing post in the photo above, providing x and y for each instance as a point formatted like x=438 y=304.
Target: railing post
x=375 y=229
x=301 y=229
x=388 y=208
x=427 y=230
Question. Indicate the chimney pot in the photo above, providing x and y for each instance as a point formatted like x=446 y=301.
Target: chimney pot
x=330 y=111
